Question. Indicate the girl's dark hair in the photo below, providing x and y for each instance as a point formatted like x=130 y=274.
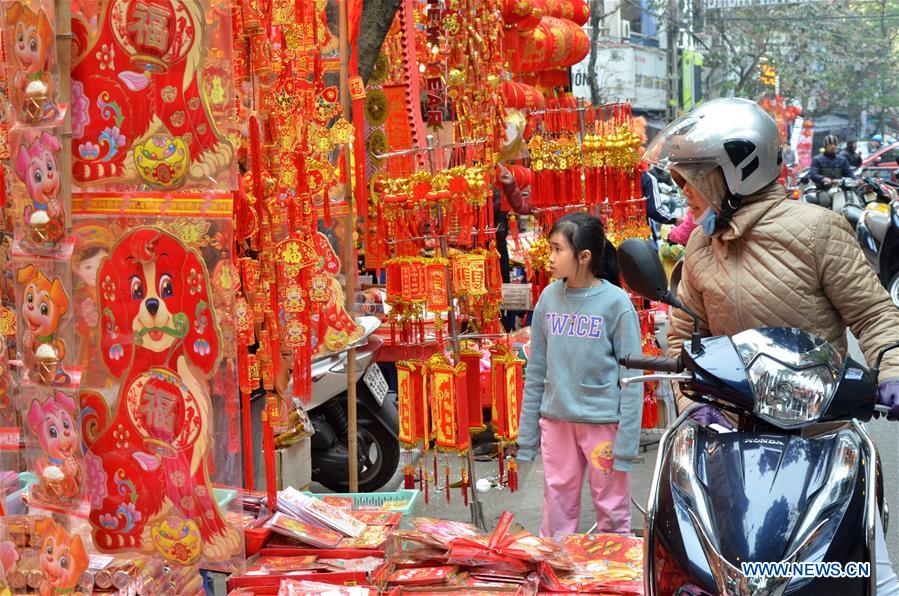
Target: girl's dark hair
x=585 y=232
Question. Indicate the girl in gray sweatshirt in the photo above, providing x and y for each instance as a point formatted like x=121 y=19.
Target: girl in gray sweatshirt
x=574 y=408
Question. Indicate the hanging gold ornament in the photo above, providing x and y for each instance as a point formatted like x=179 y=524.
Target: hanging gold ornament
x=376 y=107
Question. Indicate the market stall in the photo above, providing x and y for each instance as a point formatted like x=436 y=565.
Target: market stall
x=192 y=189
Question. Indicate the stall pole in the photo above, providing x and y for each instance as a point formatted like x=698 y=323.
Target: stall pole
x=349 y=251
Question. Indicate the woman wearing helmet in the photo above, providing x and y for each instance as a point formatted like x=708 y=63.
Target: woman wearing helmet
x=758 y=260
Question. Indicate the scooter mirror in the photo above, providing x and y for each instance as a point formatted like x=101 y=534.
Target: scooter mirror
x=642 y=270
x=676 y=274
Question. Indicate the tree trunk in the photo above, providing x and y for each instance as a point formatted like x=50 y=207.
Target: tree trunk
x=596 y=17
x=377 y=17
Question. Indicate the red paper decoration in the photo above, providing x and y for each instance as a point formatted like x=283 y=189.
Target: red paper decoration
x=474 y=389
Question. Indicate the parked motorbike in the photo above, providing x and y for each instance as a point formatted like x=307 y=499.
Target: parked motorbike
x=779 y=488
x=671 y=199
x=377 y=418
x=875 y=194
x=839 y=193
x=872 y=189
x=798 y=184
x=877 y=233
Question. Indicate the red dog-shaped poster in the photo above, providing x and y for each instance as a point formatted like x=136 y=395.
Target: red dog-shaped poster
x=140 y=114
x=161 y=338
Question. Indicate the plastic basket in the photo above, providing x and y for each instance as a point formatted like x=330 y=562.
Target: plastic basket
x=224 y=496
x=377 y=499
x=13 y=503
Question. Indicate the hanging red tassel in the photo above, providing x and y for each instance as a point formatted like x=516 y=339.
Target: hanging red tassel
x=408 y=477
x=421 y=478
x=436 y=473
x=256 y=170
x=638 y=179
x=247 y=422
x=446 y=480
x=602 y=186
x=465 y=485
x=3 y=189
x=513 y=231
x=513 y=476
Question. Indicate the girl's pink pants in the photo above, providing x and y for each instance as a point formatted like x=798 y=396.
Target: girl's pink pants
x=569 y=449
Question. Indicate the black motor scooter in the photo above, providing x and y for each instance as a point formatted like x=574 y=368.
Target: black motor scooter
x=878 y=235
x=782 y=487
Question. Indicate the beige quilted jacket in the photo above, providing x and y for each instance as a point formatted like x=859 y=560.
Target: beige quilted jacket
x=785 y=263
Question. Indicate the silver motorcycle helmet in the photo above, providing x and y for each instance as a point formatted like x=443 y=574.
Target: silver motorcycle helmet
x=733 y=134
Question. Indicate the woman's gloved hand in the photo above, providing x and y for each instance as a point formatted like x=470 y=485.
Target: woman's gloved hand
x=707 y=415
x=888 y=395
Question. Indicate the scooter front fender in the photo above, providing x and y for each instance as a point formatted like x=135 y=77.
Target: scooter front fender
x=755 y=488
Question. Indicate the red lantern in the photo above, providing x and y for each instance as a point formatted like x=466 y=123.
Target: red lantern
x=555 y=43
x=522 y=97
x=514 y=11
x=536 y=48
x=523 y=175
x=571 y=42
x=531 y=21
x=573 y=10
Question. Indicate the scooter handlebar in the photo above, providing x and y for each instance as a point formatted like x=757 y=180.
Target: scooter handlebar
x=657 y=363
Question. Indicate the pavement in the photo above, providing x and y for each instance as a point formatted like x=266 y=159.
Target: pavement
x=527 y=503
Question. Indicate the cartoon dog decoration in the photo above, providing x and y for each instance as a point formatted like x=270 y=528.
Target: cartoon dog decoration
x=59 y=469
x=37 y=166
x=161 y=338
x=145 y=117
x=62 y=558
x=44 y=302
x=31 y=34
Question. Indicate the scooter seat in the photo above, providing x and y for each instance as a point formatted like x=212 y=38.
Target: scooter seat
x=878 y=224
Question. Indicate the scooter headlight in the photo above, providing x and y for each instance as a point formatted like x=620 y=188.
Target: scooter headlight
x=787 y=397
x=793 y=374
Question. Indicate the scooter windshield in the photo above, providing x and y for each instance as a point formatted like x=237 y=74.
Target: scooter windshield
x=793 y=373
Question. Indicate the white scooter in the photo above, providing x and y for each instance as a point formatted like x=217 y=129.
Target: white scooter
x=377 y=423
